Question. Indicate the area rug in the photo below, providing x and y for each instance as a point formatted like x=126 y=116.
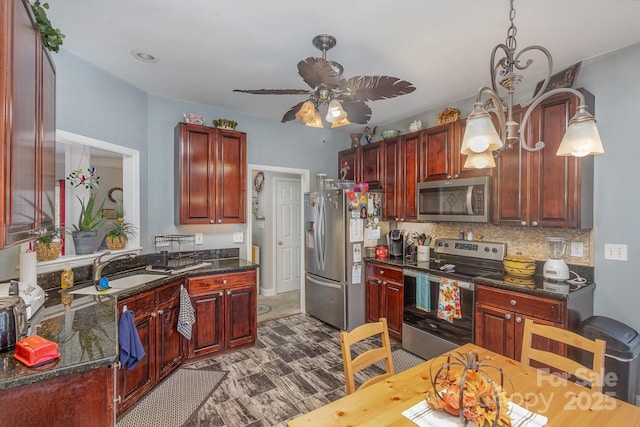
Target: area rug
x=263 y=309
x=281 y=305
x=173 y=401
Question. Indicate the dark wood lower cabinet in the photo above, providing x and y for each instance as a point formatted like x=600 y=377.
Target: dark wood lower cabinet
x=384 y=296
x=226 y=307
x=156 y=318
x=81 y=399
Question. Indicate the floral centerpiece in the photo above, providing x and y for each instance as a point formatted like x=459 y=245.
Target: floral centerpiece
x=463 y=387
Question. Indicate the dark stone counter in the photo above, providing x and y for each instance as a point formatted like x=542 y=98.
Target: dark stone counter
x=85 y=326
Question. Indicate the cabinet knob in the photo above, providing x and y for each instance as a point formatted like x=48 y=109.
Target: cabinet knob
x=221 y=293
x=379 y=282
x=154 y=314
x=513 y=302
x=219 y=221
x=449 y=177
x=381 y=271
x=224 y=281
x=534 y=223
x=229 y=292
x=519 y=319
x=523 y=223
x=160 y=312
x=212 y=221
x=456 y=176
x=385 y=282
x=507 y=316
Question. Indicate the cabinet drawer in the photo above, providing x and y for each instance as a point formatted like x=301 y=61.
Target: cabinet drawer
x=385 y=272
x=221 y=281
x=141 y=304
x=535 y=306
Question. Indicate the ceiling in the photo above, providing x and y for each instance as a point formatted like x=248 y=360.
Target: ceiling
x=207 y=48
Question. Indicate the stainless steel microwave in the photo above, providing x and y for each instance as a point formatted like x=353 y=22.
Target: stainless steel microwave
x=459 y=200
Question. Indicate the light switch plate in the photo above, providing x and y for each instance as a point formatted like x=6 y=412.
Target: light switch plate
x=615 y=252
x=199 y=239
x=577 y=249
x=238 y=237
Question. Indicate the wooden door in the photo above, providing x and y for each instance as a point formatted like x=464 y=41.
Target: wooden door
x=348 y=158
x=494 y=329
x=410 y=160
x=371 y=162
x=437 y=154
x=392 y=180
x=207 y=334
x=169 y=341
x=19 y=88
x=373 y=301
x=196 y=154
x=394 y=302
x=241 y=319
x=230 y=171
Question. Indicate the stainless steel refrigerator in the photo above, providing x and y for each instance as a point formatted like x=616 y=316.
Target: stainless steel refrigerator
x=337 y=224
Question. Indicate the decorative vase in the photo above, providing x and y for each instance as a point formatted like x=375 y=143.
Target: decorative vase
x=85 y=242
x=116 y=243
x=355 y=139
x=47 y=251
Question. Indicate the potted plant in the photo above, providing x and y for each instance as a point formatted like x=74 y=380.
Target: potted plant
x=118 y=233
x=47 y=246
x=85 y=232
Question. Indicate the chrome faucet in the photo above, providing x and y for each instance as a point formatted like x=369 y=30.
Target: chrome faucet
x=99 y=265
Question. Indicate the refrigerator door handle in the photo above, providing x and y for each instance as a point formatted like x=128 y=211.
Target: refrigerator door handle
x=323 y=283
x=322 y=233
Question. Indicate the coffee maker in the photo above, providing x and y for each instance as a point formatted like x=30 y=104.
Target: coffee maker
x=395 y=241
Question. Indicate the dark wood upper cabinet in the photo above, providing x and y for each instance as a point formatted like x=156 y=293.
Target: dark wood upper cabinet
x=370 y=161
x=349 y=159
x=211 y=168
x=540 y=189
x=401 y=171
x=27 y=117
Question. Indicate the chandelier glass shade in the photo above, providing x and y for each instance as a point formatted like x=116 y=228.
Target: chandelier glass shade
x=309 y=115
x=481 y=137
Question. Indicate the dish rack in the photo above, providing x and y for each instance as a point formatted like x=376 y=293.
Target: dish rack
x=181 y=251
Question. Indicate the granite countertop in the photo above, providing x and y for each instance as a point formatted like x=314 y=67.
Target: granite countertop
x=85 y=326
x=536 y=285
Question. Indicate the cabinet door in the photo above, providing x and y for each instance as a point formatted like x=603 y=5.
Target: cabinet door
x=556 y=195
x=47 y=150
x=19 y=90
x=394 y=302
x=373 y=301
x=494 y=330
x=207 y=335
x=241 y=304
x=230 y=177
x=371 y=162
x=195 y=180
x=537 y=342
x=437 y=155
x=392 y=180
x=348 y=158
x=169 y=341
x=410 y=160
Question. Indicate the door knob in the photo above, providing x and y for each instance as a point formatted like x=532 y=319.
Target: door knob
x=280 y=242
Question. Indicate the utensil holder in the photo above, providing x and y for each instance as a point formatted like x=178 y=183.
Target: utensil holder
x=423 y=253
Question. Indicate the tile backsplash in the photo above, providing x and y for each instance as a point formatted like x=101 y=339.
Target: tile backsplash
x=527 y=241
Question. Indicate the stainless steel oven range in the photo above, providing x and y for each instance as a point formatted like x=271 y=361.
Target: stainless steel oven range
x=424 y=332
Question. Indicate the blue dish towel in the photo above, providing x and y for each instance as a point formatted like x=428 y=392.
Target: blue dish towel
x=423 y=293
x=131 y=350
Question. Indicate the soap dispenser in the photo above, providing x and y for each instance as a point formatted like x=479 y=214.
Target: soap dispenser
x=66 y=278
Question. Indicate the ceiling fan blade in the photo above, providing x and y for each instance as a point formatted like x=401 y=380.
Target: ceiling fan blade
x=318 y=71
x=274 y=91
x=372 y=88
x=291 y=114
x=357 y=111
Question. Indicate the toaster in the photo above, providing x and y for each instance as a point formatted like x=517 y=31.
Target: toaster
x=13 y=322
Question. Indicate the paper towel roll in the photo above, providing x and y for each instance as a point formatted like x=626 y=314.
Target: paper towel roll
x=28 y=262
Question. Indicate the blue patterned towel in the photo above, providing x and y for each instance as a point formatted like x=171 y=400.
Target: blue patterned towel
x=423 y=293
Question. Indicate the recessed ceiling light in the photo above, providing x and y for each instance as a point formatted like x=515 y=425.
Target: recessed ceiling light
x=144 y=56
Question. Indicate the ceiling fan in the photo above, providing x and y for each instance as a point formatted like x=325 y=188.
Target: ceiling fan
x=345 y=97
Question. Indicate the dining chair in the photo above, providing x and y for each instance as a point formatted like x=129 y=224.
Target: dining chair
x=368 y=357
x=592 y=374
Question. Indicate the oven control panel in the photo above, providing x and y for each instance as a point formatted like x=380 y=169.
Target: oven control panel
x=471 y=248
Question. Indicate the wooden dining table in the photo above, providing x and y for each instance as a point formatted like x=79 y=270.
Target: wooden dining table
x=562 y=402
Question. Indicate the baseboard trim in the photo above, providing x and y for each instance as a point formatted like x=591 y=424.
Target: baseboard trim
x=267 y=292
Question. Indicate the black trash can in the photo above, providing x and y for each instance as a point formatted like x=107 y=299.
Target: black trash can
x=621 y=355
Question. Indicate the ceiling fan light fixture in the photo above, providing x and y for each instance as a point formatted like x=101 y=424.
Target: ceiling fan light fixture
x=335 y=112
x=341 y=122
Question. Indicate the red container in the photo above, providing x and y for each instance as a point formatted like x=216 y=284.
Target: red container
x=382 y=252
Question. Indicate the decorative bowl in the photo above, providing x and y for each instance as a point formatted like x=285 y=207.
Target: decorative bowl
x=519 y=265
x=225 y=124
x=193 y=119
x=390 y=133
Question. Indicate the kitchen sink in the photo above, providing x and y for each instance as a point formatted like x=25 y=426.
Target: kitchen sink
x=122 y=284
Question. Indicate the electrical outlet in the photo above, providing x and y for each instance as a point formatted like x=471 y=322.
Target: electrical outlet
x=577 y=249
x=199 y=239
x=238 y=237
x=615 y=252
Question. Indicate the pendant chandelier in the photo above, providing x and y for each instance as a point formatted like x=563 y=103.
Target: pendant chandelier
x=481 y=141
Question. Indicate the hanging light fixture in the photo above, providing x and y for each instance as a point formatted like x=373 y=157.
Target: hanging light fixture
x=481 y=138
x=336 y=114
x=309 y=115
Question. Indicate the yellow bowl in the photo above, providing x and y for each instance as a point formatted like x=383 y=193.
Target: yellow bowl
x=520 y=272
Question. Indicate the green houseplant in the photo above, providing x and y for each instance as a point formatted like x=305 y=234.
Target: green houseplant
x=119 y=230
x=85 y=232
x=51 y=37
x=47 y=246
